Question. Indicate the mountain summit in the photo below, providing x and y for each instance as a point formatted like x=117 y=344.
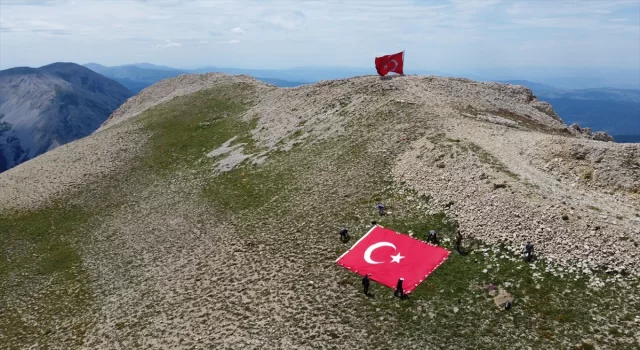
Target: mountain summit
x=43 y=108
x=206 y=211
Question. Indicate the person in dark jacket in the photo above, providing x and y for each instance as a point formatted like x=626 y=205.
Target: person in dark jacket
x=399 y=289
x=344 y=234
x=433 y=237
x=365 y=284
x=528 y=252
x=458 y=241
x=380 y=207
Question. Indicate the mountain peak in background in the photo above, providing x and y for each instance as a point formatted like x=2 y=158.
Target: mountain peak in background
x=152 y=66
x=135 y=76
x=43 y=108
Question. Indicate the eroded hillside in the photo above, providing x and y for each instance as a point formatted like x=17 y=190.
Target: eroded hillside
x=206 y=215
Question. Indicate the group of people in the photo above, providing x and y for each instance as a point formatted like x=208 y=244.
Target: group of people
x=431 y=238
x=399 y=292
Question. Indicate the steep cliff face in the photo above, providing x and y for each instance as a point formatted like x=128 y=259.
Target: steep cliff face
x=43 y=108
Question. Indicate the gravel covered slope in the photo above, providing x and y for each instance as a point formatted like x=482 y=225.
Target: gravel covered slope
x=225 y=233
x=548 y=171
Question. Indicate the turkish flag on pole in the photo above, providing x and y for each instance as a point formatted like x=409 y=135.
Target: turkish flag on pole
x=388 y=256
x=390 y=63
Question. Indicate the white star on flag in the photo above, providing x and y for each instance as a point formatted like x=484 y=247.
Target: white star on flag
x=396 y=258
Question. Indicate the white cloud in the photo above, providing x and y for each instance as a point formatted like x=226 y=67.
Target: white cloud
x=555 y=22
x=233 y=41
x=168 y=44
x=567 y=8
x=436 y=35
x=284 y=20
x=7 y=27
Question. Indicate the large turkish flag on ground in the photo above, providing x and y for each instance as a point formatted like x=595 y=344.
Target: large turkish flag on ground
x=390 y=63
x=388 y=256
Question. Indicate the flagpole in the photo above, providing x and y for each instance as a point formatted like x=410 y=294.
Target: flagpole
x=402 y=62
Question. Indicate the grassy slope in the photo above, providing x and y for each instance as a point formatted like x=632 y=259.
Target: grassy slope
x=295 y=204
x=43 y=282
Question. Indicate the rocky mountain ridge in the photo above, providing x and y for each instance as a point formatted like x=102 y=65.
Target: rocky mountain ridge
x=467 y=125
x=192 y=206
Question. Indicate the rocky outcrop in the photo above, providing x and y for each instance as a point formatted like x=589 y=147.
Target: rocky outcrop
x=589 y=134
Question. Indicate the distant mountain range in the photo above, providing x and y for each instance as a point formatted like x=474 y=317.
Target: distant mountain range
x=134 y=77
x=138 y=76
x=43 y=108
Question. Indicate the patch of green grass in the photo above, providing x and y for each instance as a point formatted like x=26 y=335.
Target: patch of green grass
x=490 y=159
x=188 y=127
x=179 y=140
x=248 y=189
x=40 y=263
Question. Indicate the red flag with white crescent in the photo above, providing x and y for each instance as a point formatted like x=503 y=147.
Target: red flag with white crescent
x=390 y=63
x=388 y=256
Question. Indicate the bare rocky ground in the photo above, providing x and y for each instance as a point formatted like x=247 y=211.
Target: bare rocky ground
x=60 y=174
x=196 y=248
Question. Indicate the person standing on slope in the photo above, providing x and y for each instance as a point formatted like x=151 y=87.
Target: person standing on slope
x=399 y=290
x=380 y=207
x=458 y=241
x=344 y=234
x=528 y=252
x=365 y=284
x=433 y=237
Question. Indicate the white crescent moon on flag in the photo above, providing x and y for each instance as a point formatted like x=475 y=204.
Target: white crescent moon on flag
x=367 y=253
x=395 y=63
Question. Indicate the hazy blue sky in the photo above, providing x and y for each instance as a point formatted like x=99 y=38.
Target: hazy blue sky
x=437 y=35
